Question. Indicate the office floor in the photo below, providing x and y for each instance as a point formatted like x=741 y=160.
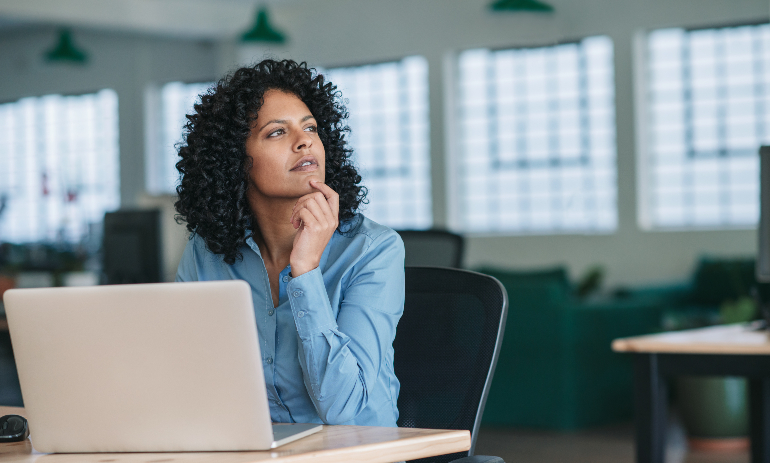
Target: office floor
x=609 y=444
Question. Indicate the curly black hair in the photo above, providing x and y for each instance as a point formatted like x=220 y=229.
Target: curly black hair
x=214 y=167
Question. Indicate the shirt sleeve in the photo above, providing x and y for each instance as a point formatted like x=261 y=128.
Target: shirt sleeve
x=341 y=358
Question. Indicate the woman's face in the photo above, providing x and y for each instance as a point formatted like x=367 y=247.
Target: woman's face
x=284 y=148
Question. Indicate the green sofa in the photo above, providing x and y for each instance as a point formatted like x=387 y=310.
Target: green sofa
x=556 y=368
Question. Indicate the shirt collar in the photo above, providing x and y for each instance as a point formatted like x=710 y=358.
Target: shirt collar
x=250 y=242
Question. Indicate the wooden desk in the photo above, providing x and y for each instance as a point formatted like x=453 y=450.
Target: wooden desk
x=333 y=444
x=729 y=350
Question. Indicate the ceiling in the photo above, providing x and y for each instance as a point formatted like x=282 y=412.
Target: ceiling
x=212 y=19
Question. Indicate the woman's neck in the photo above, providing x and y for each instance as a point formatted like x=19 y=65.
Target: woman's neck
x=274 y=233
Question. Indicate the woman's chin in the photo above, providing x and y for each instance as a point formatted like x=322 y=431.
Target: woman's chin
x=304 y=187
x=313 y=177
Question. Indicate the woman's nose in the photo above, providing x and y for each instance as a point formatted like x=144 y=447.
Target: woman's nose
x=304 y=141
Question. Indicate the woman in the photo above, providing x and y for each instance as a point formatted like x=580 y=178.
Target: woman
x=270 y=195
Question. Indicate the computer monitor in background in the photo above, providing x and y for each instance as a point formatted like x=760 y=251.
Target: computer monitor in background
x=763 y=255
x=763 y=259
x=132 y=247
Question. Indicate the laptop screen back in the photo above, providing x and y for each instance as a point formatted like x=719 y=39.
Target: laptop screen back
x=131 y=368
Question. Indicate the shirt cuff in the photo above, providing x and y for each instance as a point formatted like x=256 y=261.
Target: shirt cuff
x=310 y=304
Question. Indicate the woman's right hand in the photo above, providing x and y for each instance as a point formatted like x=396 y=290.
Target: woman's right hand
x=316 y=216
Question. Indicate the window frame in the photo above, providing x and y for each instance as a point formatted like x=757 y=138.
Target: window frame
x=155 y=133
x=117 y=161
x=453 y=127
x=325 y=70
x=643 y=127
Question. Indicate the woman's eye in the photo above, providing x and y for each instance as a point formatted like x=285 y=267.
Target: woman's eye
x=275 y=133
x=311 y=128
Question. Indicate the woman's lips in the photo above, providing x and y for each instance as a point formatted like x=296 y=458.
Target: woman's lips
x=308 y=168
x=313 y=165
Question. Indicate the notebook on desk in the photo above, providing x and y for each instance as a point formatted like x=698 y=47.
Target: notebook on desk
x=143 y=368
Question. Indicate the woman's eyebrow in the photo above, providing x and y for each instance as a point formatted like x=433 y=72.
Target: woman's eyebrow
x=282 y=121
x=274 y=121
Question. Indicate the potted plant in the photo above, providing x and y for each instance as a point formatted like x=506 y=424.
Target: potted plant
x=714 y=410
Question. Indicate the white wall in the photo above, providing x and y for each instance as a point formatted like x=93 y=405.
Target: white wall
x=344 y=32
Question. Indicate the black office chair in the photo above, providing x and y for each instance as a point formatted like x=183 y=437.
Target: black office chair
x=446 y=349
x=435 y=248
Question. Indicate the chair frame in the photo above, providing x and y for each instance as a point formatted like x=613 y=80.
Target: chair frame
x=459 y=239
x=495 y=353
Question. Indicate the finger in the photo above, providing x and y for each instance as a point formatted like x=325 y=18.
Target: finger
x=304 y=199
x=323 y=188
x=301 y=200
x=318 y=198
x=306 y=220
x=316 y=204
x=302 y=217
x=331 y=196
x=325 y=207
x=321 y=212
x=299 y=204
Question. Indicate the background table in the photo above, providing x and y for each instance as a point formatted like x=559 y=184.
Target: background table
x=729 y=350
x=333 y=444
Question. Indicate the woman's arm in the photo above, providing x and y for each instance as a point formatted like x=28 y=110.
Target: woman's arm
x=341 y=358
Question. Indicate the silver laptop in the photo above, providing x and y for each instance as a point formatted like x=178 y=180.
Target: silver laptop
x=143 y=368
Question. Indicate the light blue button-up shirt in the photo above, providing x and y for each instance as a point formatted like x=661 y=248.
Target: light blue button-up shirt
x=327 y=348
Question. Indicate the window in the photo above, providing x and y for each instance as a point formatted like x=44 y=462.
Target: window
x=708 y=113
x=388 y=106
x=172 y=103
x=60 y=166
x=537 y=139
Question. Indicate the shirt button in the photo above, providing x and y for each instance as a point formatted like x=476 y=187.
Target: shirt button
x=297 y=293
x=301 y=313
x=285 y=278
x=271 y=312
x=269 y=360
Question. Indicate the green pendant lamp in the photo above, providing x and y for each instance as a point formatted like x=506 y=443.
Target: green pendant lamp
x=65 y=51
x=520 y=5
x=262 y=31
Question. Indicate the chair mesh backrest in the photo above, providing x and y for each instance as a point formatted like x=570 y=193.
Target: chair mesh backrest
x=432 y=248
x=446 y=345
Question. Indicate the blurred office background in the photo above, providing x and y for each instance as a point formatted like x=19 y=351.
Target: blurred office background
x=607 y=145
